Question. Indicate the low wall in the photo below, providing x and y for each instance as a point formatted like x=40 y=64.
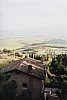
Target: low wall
x=51 y=97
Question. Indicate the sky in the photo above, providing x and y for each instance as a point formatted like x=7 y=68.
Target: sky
x=33 y=17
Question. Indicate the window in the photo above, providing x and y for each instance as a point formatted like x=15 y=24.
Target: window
x=25 y=85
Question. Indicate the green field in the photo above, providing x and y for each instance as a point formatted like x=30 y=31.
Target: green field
x=34 y=43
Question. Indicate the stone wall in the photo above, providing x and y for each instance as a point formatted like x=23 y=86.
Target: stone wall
x=33 y=83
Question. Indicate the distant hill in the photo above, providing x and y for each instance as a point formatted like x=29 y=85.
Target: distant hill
x=57 y=41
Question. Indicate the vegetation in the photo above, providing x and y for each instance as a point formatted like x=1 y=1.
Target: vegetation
x=17 y=54
x=58 y=67
x=4 y=64
x=37 y=57
x=5 y=51
x=7 y=56
x=7 y=88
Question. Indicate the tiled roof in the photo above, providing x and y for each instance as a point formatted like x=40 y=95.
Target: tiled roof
x=22 y=65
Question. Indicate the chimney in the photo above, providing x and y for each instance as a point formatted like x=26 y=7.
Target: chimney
x=29 y=68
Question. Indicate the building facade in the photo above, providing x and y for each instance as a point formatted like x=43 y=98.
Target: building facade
x=28 y=73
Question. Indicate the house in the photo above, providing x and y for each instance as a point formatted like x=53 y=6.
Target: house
x=28 y=73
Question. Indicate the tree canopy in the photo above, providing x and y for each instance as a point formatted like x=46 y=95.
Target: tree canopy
x=7 y=88
x=59 y=69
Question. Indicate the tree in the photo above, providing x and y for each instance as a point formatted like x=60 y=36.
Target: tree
x=9 y=51
x=7 y=89
x=58 y=68
x=0 y=51
x=64 y=60
x=5 y=51
x=47 y=57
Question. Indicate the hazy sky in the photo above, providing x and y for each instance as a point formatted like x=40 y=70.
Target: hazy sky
x=28 y=17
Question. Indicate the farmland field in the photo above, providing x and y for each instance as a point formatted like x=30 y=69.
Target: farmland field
x=33 y=42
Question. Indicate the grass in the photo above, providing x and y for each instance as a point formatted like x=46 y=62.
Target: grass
x=5 y=59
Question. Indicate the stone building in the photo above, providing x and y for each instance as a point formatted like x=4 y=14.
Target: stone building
x=28 y=73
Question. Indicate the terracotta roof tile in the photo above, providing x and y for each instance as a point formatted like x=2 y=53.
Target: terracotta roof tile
x=22 y=65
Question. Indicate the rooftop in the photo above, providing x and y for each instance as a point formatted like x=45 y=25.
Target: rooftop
x=22 y=65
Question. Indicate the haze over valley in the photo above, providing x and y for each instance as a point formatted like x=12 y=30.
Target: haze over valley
x=35 y=42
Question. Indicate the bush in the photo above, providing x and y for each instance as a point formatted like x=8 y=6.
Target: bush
x=8 y=90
